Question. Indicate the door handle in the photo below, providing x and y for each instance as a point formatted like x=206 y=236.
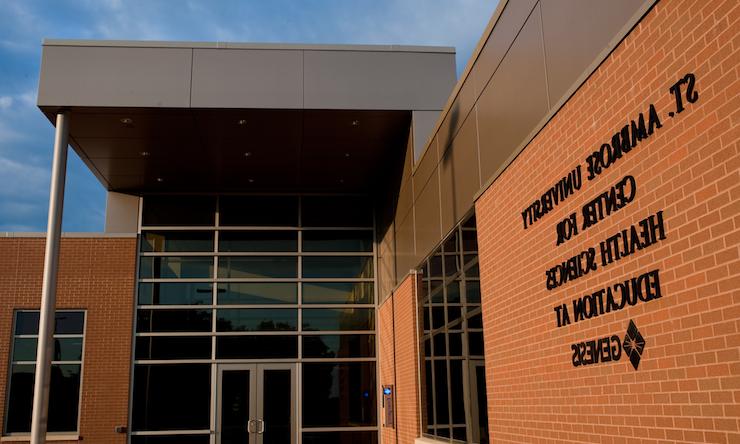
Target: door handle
x=251 y=426
x=262 y=427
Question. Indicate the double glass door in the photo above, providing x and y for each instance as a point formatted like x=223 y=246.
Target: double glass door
x=256 y=404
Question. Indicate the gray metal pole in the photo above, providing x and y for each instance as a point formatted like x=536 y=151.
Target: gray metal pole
x=45 y=349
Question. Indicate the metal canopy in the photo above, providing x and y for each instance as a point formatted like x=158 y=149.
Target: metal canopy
x=188 y=116
x=150 y=150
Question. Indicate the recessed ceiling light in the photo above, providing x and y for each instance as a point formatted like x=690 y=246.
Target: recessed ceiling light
x=127 y=121
x=160 y=180
x=355 y=123
x=144 y=154
x=242 y=122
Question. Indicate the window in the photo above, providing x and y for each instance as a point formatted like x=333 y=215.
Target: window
x=451 y=335
x=249 y=277
x=66 y=372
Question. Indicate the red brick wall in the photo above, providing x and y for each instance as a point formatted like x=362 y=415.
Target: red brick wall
x=398 y=333
x=96 y=274
x=387 y=362
x=687 y=386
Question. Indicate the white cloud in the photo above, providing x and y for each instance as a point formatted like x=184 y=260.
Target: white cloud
x=6 y=102
x=22 y=179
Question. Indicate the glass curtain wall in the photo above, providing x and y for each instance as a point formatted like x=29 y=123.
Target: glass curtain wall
x=240 y=279
x=452 y=363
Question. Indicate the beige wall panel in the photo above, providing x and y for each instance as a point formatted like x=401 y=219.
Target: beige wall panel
x=426 y=166
x=459 y=178
x=423 y=124
x=426 y=212
x=119 y=76
x=405 y=198
x=121 y=213
x=405 y=252
x=242 y=78
x=408 y=161
x=386 y=262
x=377 y=80
x=514 y=101
x=459 y=110
x=576 y=31
x=511 y=21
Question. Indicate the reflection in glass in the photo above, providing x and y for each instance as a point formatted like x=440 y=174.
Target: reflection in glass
x=177 y=347
x=251 y=267
x=336 y=211
x=338 y=346
x=27 y=322
x=256 y=319
x=69 y=323
x=258 y=211
x=338 y=293
x=176 y=210
x=177 y=241
x=339 y=394
x=235 y=399
x=171 y=397
x=277 y=411
x=338 y=319
x=338 y=241
x=175 y=293
x=256 y=293
x=175 y=267
x=338 y=267
x=257 y=241
x=174 y=439
x=64 y=392
x=256 y=347
x=173 y=320
x=343 y=437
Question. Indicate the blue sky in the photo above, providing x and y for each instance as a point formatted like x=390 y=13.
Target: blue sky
x=26 y=137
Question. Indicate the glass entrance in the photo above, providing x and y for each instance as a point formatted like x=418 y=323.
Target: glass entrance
x=256 y=404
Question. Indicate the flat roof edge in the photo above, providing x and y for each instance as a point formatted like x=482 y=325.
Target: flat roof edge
x=73 y=235
x=247 y=45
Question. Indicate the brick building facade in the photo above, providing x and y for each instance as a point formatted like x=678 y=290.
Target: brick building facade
x=552 y=255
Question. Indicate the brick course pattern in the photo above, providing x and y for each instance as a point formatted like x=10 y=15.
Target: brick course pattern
x=399 y=339
x=97 y=275
x=687 y=386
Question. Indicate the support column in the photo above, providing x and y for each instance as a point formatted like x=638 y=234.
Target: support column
x=45 y=349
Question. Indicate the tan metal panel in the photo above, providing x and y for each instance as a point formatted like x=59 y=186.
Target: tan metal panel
x=377 y=80
x=459 y=110
x=386 y=262
x=423 y=124
x=405 y=251
x=405 y=198
x=121 y=213
x=511 y=21
x=575 y=32
x=426 y=212
x=459 y=178
x=425 y=167
x=514 y=101
x=115 y=77
x=242 y=78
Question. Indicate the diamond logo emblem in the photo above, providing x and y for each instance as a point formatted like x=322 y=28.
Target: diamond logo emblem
x=633 y=344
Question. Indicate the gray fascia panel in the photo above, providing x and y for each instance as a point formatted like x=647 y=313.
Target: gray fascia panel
x=247 y=78
x=132 y=77
x=218 y=75
x=377 y=80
